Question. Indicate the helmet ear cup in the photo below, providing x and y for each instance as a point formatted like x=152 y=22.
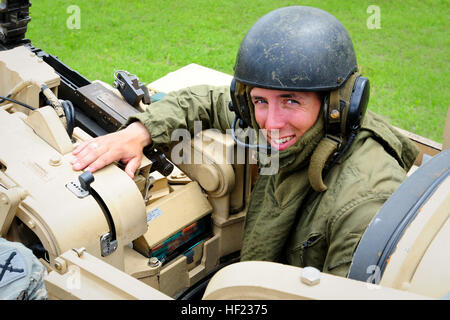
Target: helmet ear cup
x=232 y=105
x=349 y=103
x=358 y=104
x=239 y=103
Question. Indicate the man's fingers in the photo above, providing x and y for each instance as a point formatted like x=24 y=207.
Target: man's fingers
x=88 y=155
x=81 y=146
x=81 y=151
x=132 y=166
x=99 y=152
x=100 y=162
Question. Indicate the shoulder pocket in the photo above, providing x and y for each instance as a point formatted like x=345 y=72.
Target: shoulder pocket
x=199 y=90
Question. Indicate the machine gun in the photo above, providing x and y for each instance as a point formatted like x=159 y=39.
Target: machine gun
x=134 y=226
x=14 y=18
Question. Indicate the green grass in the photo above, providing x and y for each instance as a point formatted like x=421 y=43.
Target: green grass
x=406 y=60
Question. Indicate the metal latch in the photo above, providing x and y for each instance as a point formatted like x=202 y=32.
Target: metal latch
x=107 y=245
x=81 y=187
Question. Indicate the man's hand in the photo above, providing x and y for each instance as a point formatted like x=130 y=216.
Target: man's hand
x=125 y=145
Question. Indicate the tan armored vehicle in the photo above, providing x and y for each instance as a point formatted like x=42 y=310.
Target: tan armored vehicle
x=174 y=232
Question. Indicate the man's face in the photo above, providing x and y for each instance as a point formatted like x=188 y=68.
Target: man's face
x=286 y=115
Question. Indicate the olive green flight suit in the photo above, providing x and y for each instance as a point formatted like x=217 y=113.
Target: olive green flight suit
x=286 y=221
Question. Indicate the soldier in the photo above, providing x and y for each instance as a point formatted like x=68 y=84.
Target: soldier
x=21 y=273
x=297 y=78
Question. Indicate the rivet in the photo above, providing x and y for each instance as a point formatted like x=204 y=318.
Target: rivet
x=60 y=265
x=153 y=262
x=335 y=114
x=55 y=160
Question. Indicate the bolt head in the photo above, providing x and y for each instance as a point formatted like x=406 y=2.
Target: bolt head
x=55 y=160
x=310 y=276
x=153 y=262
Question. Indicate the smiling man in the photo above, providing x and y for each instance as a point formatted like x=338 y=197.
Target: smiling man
x=296 y=80
x=288 y=115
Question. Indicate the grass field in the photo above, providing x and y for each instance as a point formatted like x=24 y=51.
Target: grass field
x=406 y=58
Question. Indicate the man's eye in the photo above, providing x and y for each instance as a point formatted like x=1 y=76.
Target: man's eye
x=292 y=101
x=259 y=101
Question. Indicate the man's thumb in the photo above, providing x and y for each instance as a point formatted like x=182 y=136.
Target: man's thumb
x=132 y=166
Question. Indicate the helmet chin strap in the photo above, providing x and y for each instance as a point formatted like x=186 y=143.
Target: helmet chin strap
x=337 y=138
x=327 y=146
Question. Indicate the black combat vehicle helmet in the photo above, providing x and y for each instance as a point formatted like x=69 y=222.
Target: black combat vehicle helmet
x=302 y=48
x=296 y=48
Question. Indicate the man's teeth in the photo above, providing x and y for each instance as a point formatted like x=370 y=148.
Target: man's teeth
x=283 y=140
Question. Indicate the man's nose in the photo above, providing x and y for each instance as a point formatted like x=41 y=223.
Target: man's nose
x=274 y=118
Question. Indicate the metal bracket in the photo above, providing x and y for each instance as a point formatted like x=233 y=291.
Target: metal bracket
x=76 y=189
x=81 y=188
x=107 y=245
x=9 y=201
